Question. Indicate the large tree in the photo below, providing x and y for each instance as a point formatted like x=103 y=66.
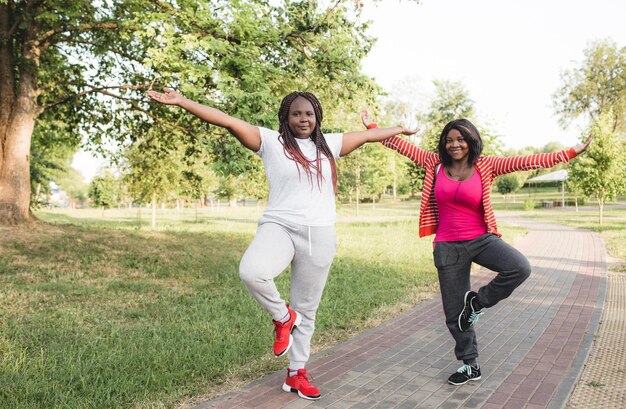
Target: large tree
x=596 y=86
x=88 y=63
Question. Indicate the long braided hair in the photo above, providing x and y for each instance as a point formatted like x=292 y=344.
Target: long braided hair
x=290 y=145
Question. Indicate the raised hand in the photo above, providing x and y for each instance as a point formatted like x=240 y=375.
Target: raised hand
x=581 y=147
x=168 y=96
x=408 y=131
x=365 y=118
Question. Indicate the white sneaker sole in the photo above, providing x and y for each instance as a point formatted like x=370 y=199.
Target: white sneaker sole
x=463 y=383
x=288 y=388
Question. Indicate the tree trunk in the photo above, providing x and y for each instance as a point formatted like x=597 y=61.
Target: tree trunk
x=154 y=205
x=15 y=164
x=601 y=206
x=18 y=110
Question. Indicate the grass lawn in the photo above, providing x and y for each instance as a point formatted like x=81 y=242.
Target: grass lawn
x=99 y=311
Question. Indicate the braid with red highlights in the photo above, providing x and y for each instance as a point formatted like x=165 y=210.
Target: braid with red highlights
x=290 y=146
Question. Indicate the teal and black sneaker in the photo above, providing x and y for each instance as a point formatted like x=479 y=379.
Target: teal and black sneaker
x=471 y=311
x=465 y=374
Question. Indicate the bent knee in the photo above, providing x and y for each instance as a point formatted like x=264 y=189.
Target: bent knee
x=524 y=270
x=247 y=271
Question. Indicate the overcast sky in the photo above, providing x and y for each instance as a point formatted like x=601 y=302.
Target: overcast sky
x=509 y=54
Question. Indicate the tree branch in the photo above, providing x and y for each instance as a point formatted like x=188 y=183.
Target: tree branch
x=133 y=103
x=101 y=90
x=75 y=41
x=46 y=37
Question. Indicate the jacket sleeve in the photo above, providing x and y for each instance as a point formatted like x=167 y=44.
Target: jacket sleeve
x=417 y=155
x=503 y=165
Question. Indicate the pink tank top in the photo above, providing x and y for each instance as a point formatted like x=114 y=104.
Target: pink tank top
x=460 y=206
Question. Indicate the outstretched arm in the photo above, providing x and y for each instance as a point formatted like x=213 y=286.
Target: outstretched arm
x=353 y=140
x=249 y=135
x=503 y=165
x=415 y=154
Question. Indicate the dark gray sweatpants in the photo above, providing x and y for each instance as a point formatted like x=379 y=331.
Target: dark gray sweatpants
x=453 y=261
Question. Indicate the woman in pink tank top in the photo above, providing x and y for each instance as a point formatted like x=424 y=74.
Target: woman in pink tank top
x=456 y=207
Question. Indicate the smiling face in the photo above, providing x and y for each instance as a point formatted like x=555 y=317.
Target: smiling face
x=301 y=118
x=456 y=145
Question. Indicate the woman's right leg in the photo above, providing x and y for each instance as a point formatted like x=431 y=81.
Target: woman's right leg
x=453 y=264
x=268 y=255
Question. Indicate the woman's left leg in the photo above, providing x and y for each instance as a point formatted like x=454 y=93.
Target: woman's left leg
x=309 y=270
x=513 y=268
x=315 y=250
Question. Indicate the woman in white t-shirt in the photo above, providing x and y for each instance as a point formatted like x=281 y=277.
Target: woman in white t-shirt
x=298 y=225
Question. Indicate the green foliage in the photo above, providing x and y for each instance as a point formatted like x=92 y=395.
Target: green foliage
x=243 y=58
x=228 y=187
x=377 y=170
x=254 y=184
x=529 y=204
x=599 y=172
x=552 y=147
x=92 y=62
x=492 y=145
x=416 y=176
x=597 y=86
x=451 y=101
x=153 y=167
x=508 y=183
x=73 y=184
x=197 y=180
x=104 y=190
x=53 y=144
x=401 y=108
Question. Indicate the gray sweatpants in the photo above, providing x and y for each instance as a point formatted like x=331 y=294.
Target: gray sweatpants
x=454 y=260
x=310 y=252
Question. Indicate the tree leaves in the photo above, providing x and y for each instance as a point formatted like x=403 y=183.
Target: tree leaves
x=597 y=85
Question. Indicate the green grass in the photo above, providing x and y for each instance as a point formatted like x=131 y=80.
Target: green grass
x=105 y=313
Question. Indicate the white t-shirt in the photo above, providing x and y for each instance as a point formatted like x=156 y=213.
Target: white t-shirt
x=293 y=197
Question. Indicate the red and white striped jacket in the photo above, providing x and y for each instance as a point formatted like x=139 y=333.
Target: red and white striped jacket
x=488 y=168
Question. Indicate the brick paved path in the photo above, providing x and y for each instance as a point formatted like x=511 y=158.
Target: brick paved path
x=532 y=345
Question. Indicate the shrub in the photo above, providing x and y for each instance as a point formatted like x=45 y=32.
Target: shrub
x=529 y=204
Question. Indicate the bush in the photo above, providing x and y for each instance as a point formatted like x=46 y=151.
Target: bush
x=529 y=204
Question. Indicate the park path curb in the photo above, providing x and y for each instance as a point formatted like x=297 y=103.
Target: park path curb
x=533 y=345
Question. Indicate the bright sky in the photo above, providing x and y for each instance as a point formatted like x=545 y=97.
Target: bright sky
x=508 y=54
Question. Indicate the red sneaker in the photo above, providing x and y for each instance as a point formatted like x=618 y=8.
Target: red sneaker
x=300 y=383
x=284 y=339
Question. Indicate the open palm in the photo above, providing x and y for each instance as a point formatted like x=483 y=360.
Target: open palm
x=168 y=96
